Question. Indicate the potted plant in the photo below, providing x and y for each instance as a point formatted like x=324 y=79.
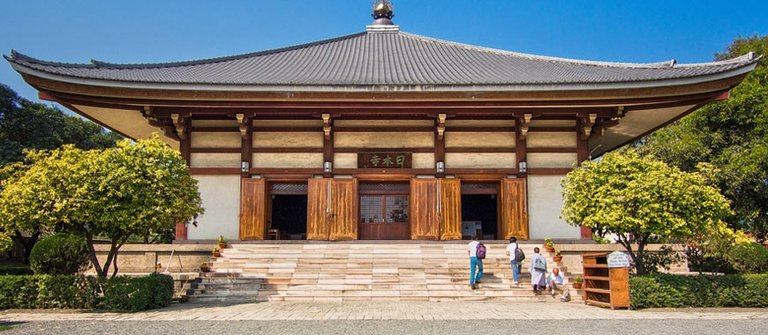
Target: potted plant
x=577 y=282
x=549 y=245
x=222 y=242
x=557 y=256
x=204 y=267
x=216 y=252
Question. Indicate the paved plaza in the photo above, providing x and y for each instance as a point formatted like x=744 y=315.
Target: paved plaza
x=387 y=311
x=390 y=318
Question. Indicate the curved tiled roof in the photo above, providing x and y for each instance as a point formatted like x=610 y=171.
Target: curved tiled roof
x=379 y=59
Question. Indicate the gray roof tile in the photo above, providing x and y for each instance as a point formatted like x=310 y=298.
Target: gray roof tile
x=383 y=58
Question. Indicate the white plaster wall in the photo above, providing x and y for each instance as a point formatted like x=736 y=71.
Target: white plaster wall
x=553 y=123
x=545 y=202
x=384 y=140
x=551 y=160
x=479 y=139
x=495 y=160
x=287 y=160
x=345 y=161
x=214 y=123
x=552 y=140
x=216 y=140
x=423 y=160
x=203 y=160
x=288 y=139
x=479 y=123
x=288 y=123
x=221 y=200
x=383 y=123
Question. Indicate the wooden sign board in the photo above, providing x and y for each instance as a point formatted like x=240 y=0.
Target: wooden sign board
x=384 y=160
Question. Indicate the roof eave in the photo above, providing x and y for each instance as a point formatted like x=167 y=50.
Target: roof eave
x=386 y=88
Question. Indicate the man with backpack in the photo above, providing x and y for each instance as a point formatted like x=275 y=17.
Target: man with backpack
x=476 y=251
x=516 y=257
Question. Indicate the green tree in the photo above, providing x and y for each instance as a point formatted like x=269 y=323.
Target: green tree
x=28 y=125
x=641 y=200
x=732 y=135
x=115 y=194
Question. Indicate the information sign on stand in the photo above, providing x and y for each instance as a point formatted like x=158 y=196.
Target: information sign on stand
x=618 y=259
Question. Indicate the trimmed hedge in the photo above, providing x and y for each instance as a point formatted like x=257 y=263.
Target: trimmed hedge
x=664 y=290
x=67 y=291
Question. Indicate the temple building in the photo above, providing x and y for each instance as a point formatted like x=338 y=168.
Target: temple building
x=383 y=134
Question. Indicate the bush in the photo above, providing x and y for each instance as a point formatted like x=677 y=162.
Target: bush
x=664 y=290
x=67 y=291
x=14 y=268
x=699 y=261
x=138 y=294
x=60 y=254
x=749 y=258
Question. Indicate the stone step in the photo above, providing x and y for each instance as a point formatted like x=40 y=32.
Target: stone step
x=359 y=272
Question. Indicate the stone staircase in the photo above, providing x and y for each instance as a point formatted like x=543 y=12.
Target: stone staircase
x=359 y=271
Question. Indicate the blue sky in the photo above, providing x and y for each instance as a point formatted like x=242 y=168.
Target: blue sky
x=141 y=31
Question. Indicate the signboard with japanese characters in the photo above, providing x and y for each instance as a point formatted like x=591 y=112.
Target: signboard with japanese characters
x=384 y=160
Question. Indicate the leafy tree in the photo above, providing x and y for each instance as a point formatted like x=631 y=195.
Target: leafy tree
x=732 y=135
x=641 y=200
x=115 y=193
x=28 y=125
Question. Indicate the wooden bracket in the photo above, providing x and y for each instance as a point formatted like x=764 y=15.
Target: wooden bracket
x=327 y=126
x=242 y=122
x=587 y=123
x=619 y=113
x=441 y=126
x=525 y=124
x=180 y=123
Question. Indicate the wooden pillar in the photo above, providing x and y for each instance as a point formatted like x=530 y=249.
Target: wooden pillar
x=328 y=151
x=582 y=155
x=245 y=123
x=440 y=143
x=521 y=151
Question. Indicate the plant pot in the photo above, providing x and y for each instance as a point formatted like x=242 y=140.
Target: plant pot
x=549 y=249
x=222 y=245
x=216 y=253
x=577 y=285
x=557 y=258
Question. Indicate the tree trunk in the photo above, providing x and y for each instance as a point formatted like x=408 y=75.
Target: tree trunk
x=27 y=242
x=94 y=259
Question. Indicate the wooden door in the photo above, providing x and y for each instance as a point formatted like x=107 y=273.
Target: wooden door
x=253 y=207
x=450 y=209
x=343 y=216
x=318 y=208
x=514 y=209
x=423 y=206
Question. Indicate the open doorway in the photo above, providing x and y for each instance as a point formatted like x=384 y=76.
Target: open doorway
x=288 y=214
x=479 y=211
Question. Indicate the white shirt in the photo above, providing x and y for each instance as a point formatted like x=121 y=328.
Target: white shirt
x=511 y=250
x=472 y=247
